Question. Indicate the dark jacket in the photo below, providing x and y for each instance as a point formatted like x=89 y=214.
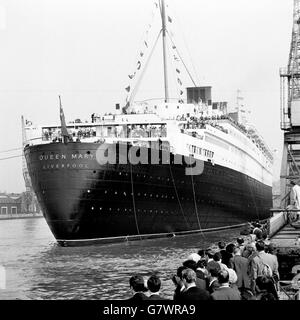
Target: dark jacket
x=155 y=297
x=200 y=283
x=139 y=296
x=226 y=256
x=194 y=293
x=212 y=285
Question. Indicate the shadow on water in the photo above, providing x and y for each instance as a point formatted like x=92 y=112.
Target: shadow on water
x=37 y=268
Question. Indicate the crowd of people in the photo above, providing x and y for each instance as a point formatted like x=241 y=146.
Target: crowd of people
x=246 y=269
x=201 y=122
x=54 y=134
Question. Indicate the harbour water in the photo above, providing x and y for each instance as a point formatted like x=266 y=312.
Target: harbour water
x=37 y=268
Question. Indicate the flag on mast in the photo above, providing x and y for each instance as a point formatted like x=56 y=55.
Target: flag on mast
x=64 y=131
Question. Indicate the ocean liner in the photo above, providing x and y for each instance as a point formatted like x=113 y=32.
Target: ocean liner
x=151 y=169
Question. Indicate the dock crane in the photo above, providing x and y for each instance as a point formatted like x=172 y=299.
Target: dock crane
x=290 y=112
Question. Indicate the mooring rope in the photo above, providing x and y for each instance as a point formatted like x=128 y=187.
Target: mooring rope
x=195 y=203
x=177 y=196
x=133 y=201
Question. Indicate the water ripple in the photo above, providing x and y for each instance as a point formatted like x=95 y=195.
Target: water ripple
x=37 y=268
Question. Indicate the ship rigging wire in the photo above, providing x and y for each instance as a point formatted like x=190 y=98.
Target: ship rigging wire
x=187 y=70
x=181 y=28
x=9 y=150
x=181 y=209
x=195 y=203
x=133 y=201
x=144 y=70
x=18 y=156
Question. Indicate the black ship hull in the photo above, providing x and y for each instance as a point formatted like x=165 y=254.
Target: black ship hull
x=85 y=202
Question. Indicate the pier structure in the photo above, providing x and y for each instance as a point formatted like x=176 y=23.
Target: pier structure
x=29 y=201
x=290 y=112
x=284 y=225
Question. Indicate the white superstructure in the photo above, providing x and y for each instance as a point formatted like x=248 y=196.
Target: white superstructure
x=190 y=130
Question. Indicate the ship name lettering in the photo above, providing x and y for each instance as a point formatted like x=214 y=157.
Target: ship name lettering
x=65 y=165
x=52 y=157
x=81 y=156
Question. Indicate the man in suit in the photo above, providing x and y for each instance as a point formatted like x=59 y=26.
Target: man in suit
x=212 y=279
x=137 y=284
x=225 y=292
x=154 y=285
x=191 y=292
x=200 y=283
x=240 y=266
x=256 y=266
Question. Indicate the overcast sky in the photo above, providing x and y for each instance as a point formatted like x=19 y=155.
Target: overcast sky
x=85 y=49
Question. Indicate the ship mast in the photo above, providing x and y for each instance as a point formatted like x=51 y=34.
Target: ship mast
x=164 y=31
